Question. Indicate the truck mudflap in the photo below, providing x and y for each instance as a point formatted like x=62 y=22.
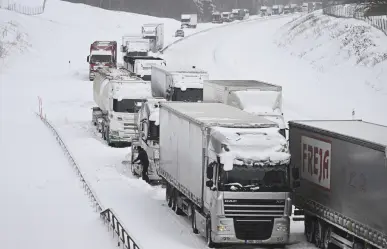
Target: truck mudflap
x=251 y=231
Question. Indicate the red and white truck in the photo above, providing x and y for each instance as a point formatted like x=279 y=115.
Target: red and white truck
x=103 y=54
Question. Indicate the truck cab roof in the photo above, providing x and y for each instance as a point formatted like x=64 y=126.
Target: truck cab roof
x=245 y=83
x=357 y=129
x=179 y=69
x=217 y=114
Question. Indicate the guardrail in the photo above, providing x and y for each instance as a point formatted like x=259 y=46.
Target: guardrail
x=107 y=215
x=218 y=27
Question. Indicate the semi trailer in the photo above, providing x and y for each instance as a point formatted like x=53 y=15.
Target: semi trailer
x=228 y=171
x=133 y=45
x=142 y=65
x=339 y=171
x=256 y=97
x=118 y=94
x=155 y=33
x=178 y=83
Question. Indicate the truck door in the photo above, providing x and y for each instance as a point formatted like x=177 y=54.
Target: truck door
x=210 y=192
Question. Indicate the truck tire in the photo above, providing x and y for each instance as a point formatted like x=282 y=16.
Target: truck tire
x=309 y=225
x=176 y=208
x=319 y=230
x=168 y=195
x=327 y=237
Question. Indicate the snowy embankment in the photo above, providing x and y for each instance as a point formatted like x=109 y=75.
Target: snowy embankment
x=329 y=88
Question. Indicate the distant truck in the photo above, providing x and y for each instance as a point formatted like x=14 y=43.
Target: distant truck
x=133 y=45
x=142 y=65
x=339 y=169
x=189 y=20
x=305 y=7
x=241 y=14
x=287 y=9
x=147 y=137
x=155 y=33
x=226 y=16
x=234 y=14
x=227 y=171
x=247 y=13
x=178 y=84
x=103 y=54
x=118 y=94
x=276 y=10
x=256 y=97
x=266 y=11
x=216 y=17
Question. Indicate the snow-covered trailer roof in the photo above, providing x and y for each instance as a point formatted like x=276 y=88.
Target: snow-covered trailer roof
x=245 y=84
x=217 y=114
x=352 y=129
x=180 y=69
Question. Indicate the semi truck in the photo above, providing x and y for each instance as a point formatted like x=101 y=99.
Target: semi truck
x=142 y=65
x=234 y=14
x=216 y=17
x=227 y=170
x=256 y=97
x=178 y=83
x=266 y=11
x=155 y=33
x=226 y=16
x=147 y=137
x=103 y=54
x=133 y=45
x=339 y=171
x=118 y=94
x=189 y=20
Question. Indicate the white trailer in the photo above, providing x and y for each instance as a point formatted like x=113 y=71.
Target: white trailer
x=155 y=33
x=118 y=94
x=142 y=65
x=133 y=45
x=256 y=97
x=147 y=138
x=189 y=20
x=227 y=170
x=178 y=83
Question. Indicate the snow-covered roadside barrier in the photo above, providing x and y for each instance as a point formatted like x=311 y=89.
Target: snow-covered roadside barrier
x=108 y=215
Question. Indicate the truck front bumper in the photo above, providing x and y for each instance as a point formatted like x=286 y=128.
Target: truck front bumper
x=280 y=233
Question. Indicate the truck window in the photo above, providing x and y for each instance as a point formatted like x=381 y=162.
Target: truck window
x=188 y=95
x=243 y=178
x=96 y=58
x=153 y=131
x=127 y=105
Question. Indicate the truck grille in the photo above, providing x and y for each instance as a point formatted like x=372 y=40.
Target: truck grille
x=253 y=229
x=235 y=208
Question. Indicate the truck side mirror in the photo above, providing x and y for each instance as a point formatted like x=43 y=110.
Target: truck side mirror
x=295 y=173
x=210 y=171
x=209 y=183
x=88 y=57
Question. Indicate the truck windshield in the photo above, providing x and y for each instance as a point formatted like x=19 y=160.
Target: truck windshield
x=244 y=178
x=97 y=58
x=185 y=20
x=127 y=105
x=154 y=131
x=188 y=95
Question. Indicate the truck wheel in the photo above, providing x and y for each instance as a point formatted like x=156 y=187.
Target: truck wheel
x=327 y=237
x=210 y=243
x=309 y=225
x=193 y=220
x=176 y=208
x=168 y=195
x=319 y=234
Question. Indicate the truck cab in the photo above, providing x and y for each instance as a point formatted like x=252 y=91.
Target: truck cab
x=226 y=16
x=216 y=17
x=147 y=137
x=103 y=54
x=189 y=20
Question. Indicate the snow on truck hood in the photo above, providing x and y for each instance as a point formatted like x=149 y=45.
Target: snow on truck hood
x=264 y=146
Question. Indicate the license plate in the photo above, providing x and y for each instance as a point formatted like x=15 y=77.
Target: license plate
x=253 y=241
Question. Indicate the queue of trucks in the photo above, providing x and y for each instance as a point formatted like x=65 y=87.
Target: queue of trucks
x=229 y=161
x=235 y=14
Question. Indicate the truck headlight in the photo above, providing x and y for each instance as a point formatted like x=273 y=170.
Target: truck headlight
x=156 y=154
x=282 y=228
x=222 y=228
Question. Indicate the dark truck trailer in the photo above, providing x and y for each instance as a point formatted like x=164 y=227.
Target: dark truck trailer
x=339 y=171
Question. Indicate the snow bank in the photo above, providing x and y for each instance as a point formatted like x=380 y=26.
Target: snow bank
x=13 y=39
x=260 y=146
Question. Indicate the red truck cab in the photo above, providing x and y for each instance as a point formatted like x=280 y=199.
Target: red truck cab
x=102 y=54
